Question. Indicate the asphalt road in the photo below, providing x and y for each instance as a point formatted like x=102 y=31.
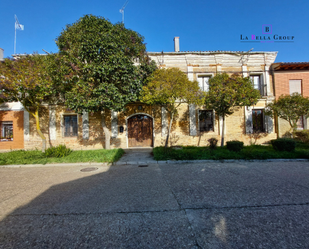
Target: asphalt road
x=213 y=205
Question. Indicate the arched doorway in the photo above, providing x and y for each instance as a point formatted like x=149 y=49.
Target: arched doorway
x=140 y=131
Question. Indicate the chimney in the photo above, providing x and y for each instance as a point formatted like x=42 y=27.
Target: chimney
x=176 y=43
x=1 y=54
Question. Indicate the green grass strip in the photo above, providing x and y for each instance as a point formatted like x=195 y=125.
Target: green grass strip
x=37 y=157
x=248 y=153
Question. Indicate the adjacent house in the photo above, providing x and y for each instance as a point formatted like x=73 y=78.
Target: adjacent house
x=290 y=77
x=1 y=54
x=141 y=125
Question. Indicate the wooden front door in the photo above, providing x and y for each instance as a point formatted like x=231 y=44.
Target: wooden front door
x=140 y=131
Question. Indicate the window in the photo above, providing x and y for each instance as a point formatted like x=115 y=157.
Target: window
x=295 y=86
x=6 y=131
x=257 y=83
x=206 y=121
x=258 y=120
x=300 y=123
x=203 y=82
x=70 y=125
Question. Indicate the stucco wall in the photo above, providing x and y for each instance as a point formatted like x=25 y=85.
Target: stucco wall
x=18 y=129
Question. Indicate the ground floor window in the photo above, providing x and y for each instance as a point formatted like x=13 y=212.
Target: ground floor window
x=6 y=131
x=206 y=121
x=70 y=125
x=300 y=123
x=258 y=120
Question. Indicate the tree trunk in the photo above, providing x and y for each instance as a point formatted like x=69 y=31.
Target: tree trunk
x=37 y=122
x=222 y=135
x=293 y=127
x=106 y=132
x=169 y=129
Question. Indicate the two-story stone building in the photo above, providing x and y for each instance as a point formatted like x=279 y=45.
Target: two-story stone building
x=141 y=125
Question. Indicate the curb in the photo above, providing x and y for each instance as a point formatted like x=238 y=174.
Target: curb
x=151 y=162
x=210 y=161
x=54 y=165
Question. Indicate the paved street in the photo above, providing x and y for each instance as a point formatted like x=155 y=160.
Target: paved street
x=212 y=205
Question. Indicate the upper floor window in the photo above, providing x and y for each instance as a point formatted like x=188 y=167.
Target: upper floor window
x=295 y=86
x=6 y=132
x=203 y=82
x=257 y=83
x=206 y=120
x=70 y=125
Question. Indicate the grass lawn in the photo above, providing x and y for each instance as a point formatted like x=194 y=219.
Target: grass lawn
x=37 y=157
x=248 y=152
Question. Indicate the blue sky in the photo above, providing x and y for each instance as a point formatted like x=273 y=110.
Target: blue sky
x=201 y=25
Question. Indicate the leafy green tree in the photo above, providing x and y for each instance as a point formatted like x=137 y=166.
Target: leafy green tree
x=26 y=80
x=289 y=108
x=169 y=88
x=226 y=92
x=108 y=66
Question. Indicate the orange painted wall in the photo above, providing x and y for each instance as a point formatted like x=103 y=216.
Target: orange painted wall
x=282 y=82
x=18 y=129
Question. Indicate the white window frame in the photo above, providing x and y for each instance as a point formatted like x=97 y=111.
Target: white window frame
x=301 y=86
x=2 y=130
x=204 y=75
x=266 y=120
x=304 y=124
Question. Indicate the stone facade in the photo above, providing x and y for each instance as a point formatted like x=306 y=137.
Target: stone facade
x=186 y=125
x=239 y=126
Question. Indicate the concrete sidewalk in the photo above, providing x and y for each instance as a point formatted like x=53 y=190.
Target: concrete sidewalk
x=202 y=205
x=136 y=156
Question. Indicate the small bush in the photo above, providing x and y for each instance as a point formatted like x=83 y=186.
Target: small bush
x=302 y=136
x=59 y=151
x=213 y=143
x=283 y=144
x=234 y=145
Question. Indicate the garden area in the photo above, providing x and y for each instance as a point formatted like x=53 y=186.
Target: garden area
x=60 y=154
x=284 y=149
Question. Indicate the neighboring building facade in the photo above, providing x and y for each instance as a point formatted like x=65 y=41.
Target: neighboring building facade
x=1 y=54
x=141 y=125
x=290 y=77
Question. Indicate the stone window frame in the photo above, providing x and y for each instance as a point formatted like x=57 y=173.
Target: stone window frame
x=62 y=124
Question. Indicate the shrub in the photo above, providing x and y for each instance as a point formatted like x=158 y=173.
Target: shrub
x=59 y=151
x=302 y=136
x=213 y=143
x=234 y=145
x=283 y=144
